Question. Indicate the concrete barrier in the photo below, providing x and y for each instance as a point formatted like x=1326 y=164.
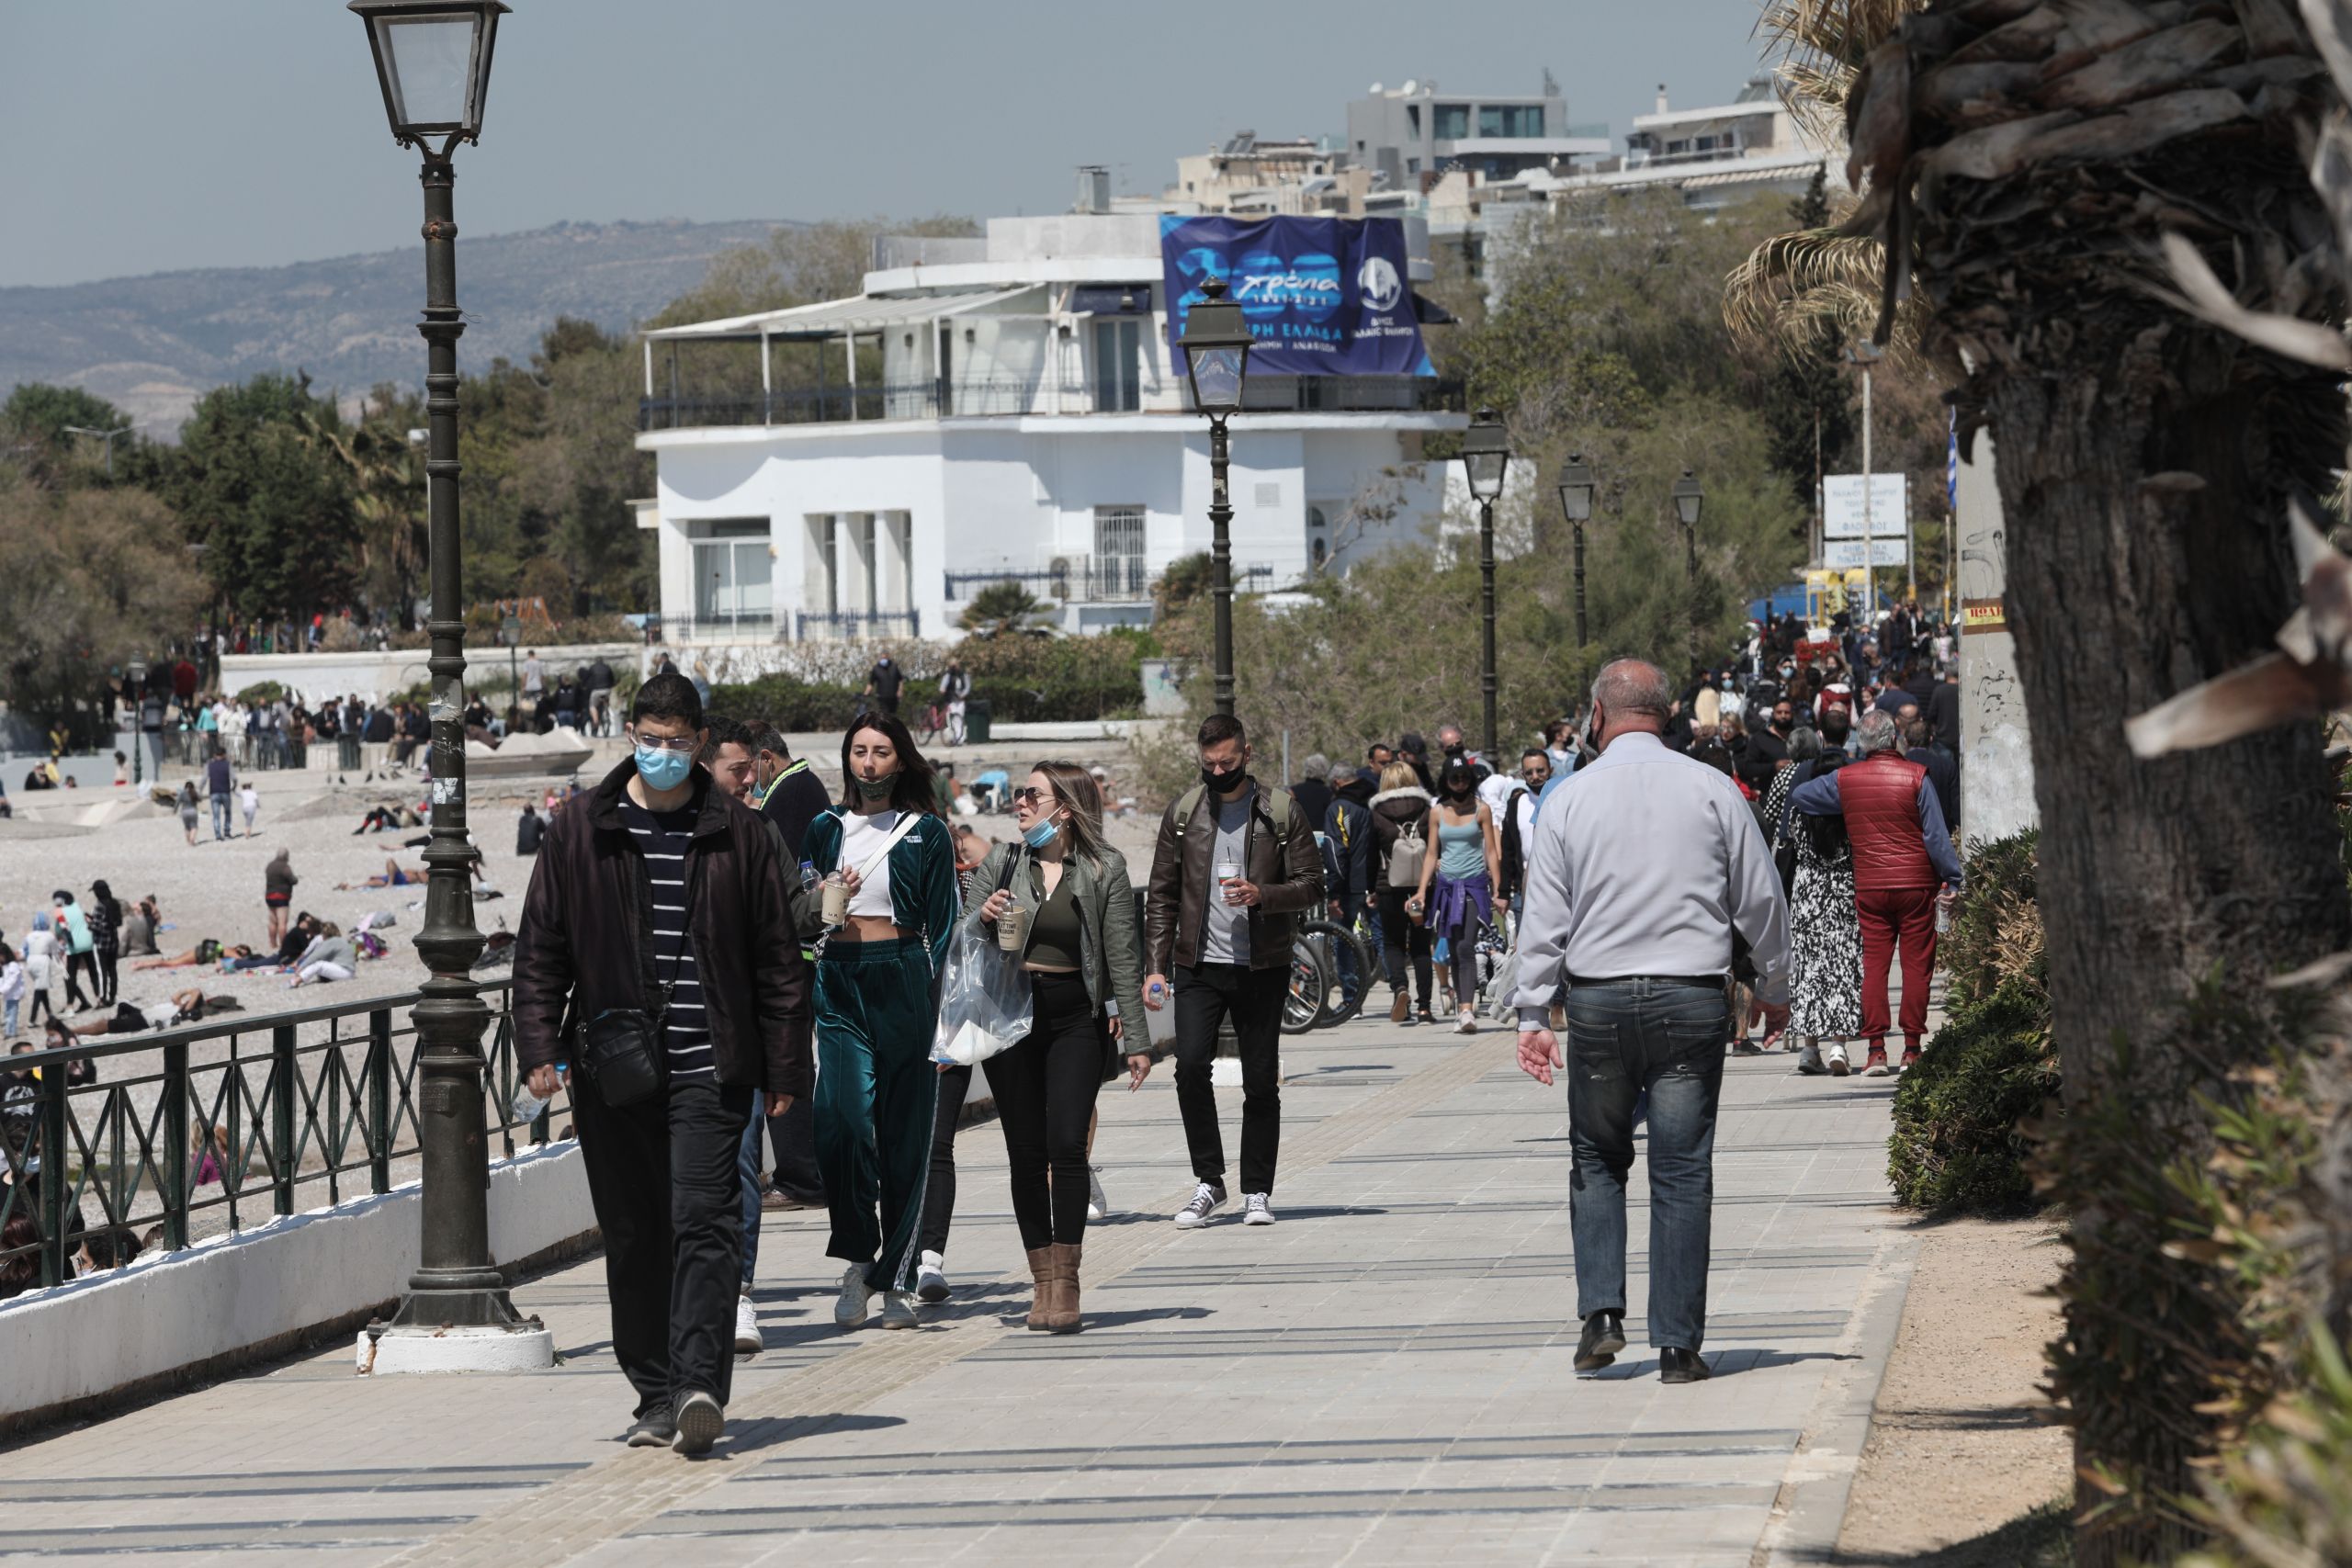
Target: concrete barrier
x=174 y=1318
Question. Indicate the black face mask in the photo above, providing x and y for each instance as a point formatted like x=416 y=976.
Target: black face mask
x=1220 y=784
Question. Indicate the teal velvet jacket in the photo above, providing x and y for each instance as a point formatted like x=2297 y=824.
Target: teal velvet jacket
x=923 y=894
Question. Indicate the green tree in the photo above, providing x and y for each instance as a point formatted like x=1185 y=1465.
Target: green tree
x=39 y=425
x=1002 y=610
x=273 y=511
x=1810 y=409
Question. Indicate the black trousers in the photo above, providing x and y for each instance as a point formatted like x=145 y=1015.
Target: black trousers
x=663 y=1176
x=1045 y=1090
x=108 y=979
x=1206 y=996
x=76 y=965
x=793 y=1138
x=939 y=1186
x=1398 y=937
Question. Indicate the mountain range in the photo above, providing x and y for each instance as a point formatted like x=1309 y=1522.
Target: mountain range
x=152 y=345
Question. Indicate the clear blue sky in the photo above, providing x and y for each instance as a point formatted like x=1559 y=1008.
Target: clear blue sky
x=151 y=135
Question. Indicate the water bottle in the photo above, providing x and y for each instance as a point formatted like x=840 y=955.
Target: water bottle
x=1943 y=912
x=530 y=1107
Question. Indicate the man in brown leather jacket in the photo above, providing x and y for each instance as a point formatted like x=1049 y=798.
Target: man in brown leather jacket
x=1235 y=868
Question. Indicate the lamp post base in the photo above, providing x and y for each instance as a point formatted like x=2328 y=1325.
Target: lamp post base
x=385 y=1349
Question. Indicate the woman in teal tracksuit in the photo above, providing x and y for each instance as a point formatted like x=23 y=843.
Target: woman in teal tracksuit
x=877 y=1001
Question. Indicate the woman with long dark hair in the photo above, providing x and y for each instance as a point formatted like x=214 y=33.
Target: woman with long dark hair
x=886 y=898
x=1459 y=874
x=1069 y=892
x=106 y=936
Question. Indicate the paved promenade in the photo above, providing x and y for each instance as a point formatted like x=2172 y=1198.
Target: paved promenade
x=1381 y=1377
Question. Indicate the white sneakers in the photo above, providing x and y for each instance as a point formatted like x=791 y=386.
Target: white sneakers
x=747 y=1329
x=1839 y=1066
x=1098 y=1207
x=1207 y=1199
x=849 y=1311
x=1258 y=1214
x=1467 y=1023
x=930 y=1278
x=899 y=1309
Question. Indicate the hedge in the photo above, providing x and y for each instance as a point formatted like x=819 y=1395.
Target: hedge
x=1025 y=680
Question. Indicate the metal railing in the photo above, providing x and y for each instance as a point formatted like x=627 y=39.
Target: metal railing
x=851 y=624
x=1007 y=397
x=761 y=627
x=1088 y=579
x=213 y=1126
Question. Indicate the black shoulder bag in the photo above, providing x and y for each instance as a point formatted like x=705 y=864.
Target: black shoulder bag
x=623 y=1050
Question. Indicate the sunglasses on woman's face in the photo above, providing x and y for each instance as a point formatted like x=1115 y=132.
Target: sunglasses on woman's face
x=1029 y=795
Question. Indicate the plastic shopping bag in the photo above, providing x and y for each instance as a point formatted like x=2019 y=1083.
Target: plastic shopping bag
x=984 y=1004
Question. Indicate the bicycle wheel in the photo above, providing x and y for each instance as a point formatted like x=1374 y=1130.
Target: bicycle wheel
x=1339 y=947
x=1311 y=980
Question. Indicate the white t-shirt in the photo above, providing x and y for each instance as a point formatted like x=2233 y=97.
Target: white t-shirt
x=862 y=840
x=159 y=1015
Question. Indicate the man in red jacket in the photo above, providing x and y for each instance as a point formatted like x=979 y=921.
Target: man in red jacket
x=1903 y=861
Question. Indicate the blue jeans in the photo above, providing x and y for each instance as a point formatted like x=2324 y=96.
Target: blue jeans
x=747 y=1180
x=220 y=816
x=1665 y=1039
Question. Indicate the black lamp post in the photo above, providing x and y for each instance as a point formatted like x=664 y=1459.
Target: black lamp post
x=1687 y=498
x=433 y=63
x=1576 y=506
x=1216 y=358
x=1486 y=457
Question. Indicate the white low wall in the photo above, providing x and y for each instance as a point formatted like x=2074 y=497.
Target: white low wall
x=371 y=674
x=258 y=1290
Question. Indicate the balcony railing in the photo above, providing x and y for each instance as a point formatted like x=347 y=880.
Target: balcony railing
x=760 y=627
x=1006 y=397
x=1087 y=579
x=216 y=1126
x=849 y=625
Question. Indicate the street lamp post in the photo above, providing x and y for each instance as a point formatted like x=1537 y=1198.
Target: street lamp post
x=136 y=674
x=1486 y=457
x=108 y=436
x=1216 y=358
x=1865 y=354
x=1687 y=498
x=433 y=63
x=1576 y=506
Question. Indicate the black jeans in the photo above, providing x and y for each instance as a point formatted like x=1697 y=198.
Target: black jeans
x=1045 y=1090
x=107 y=958
x=1206 y=995
x=76 y=965
x=939 y=1187
x=1398 y=936
x=793 y=1139
x=662 y=1176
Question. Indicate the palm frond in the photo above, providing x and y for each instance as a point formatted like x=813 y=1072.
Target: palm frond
x=1822 y=45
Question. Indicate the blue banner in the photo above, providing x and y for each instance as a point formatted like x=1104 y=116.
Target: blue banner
x=1323 y=295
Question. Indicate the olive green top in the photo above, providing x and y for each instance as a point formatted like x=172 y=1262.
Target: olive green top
x=1056 y=943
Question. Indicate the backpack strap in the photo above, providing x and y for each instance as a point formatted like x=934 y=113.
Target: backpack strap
x=1278 y=808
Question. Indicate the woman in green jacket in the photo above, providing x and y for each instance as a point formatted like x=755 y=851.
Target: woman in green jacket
x=1078 y=942
x=876 y=1008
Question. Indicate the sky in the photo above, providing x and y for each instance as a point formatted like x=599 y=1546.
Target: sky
x=154 y=135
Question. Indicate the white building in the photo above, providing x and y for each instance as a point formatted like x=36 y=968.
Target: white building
x=1720 y=154
x=993 y=410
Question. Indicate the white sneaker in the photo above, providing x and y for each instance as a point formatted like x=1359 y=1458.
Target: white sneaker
x=1097 y=1206
x=1809 y=1062
x=899 y=1309
x=1258 y=1214
x=747 y=1329
x=849 y=1311
x=1839 y=1066
x=1467 y=1023
x=1206 y=1198
x=930 y=1278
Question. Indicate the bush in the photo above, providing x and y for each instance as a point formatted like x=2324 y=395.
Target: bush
x=1025 y=680
x=262 y=692
x=1957 y=1144
x=792 y=704
x=1995 y=936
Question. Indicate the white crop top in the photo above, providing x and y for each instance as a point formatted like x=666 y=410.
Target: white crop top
x=862 y=840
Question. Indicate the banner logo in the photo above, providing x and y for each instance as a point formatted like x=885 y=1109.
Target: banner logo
x=1290 y=276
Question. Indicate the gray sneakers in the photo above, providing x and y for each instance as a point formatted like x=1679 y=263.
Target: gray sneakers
x=700 y=1420
x=849 y=1311
x=1206 y=1198
x=1258 y=1214
x=930 y=1278
x=654 y=1429
x=899 y=1309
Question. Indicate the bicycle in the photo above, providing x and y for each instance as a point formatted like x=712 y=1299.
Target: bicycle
x=935 y=723
x=1336 y=949
x=1310 y=989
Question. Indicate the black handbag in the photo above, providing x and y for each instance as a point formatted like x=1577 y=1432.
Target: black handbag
x=622 y=1050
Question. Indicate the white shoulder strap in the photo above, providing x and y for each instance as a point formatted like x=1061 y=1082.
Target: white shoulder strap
x=906 y=825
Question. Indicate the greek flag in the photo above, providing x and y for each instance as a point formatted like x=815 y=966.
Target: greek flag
x=1952 y=464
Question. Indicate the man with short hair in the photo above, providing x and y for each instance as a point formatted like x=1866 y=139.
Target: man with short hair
x=703 y=989
x=788 y=794
x=1379 y=756
x=1903 y=864
x=535 y=681
x=1234 y=868
x=729 y=758
x=1515 y=823
x=1643 y=878
x=882 y=684
x=1452 y=742
x=1943 y=768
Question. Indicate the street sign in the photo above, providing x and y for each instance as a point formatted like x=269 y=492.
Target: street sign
x=1841 y=506
x=1840 y=553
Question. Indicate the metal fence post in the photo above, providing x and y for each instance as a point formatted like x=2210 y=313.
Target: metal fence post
x=173 y=1113
x=281 y=1115
x=380 y=1100
x=53 y=1178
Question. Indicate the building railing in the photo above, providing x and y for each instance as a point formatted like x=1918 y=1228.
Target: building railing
x=217 y=1126
x=1087 y=579
x=849 y=625
x=762 y=626
x=1008 y=397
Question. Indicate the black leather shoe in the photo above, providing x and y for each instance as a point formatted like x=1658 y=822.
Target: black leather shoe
x=1677 y=1365
x=1603 y=1336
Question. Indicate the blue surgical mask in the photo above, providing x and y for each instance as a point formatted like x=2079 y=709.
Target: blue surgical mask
x=661 y=768
x=1042 y=832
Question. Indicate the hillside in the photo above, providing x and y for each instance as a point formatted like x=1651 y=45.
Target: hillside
x=153 y=344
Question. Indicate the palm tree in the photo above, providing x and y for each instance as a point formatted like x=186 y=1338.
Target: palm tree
x=2026 y=162
x=1003 y=609
x=387 y=497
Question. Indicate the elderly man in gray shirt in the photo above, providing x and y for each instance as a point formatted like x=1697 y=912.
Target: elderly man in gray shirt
x=1647 y=877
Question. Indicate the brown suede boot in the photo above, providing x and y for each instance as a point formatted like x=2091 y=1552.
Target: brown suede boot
x=1041 y=1290
x=1062 y=1316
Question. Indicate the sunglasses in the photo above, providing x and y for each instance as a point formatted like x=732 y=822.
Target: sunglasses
x=1030 y=794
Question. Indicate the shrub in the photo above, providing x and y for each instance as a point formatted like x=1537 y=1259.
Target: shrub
x=262 y=692
x=788 y=701
x=1025 y=680
x=1995 y=936
x=1957 y=1144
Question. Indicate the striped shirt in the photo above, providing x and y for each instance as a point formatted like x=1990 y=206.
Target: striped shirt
x=661 y=839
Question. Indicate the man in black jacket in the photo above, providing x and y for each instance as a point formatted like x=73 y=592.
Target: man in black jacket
x=789 y=794
x=657 y=916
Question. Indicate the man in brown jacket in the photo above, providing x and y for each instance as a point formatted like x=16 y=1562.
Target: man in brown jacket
x=656 y=898
x=1235 y=867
